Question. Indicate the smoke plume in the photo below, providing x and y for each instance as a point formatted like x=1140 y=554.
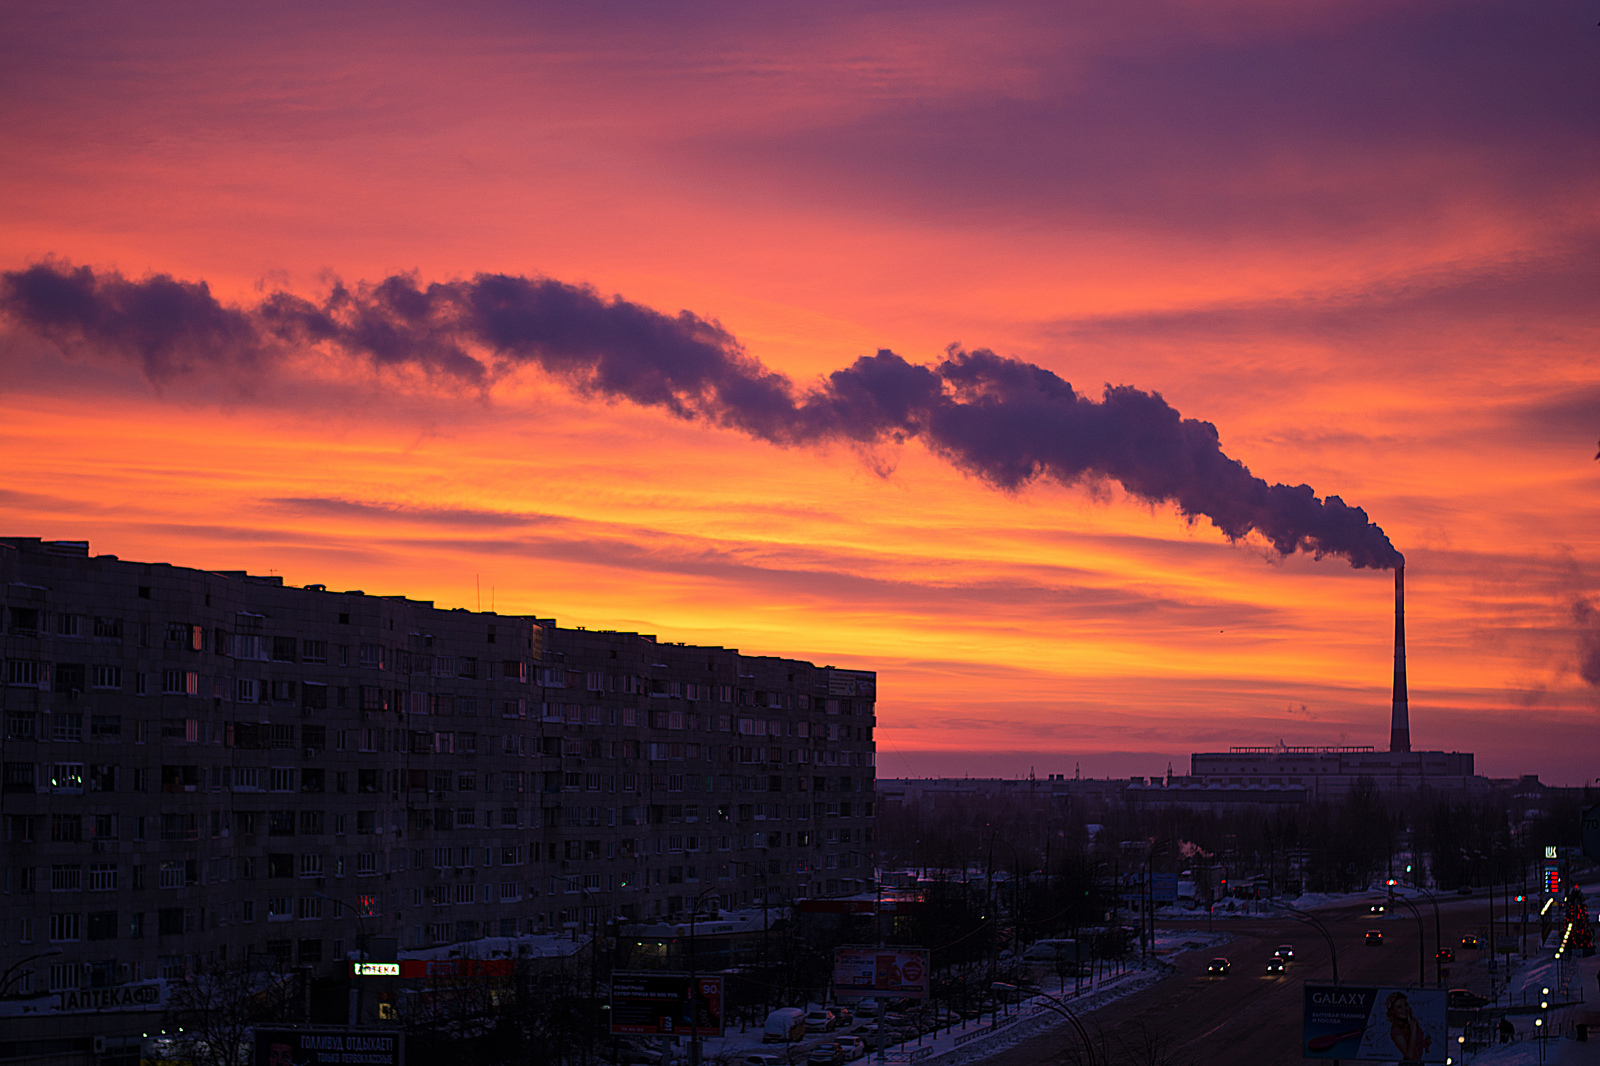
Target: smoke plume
x=1003 y=420
x=1587 y=618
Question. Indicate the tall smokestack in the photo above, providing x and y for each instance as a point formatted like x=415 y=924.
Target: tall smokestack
x=1400 y=722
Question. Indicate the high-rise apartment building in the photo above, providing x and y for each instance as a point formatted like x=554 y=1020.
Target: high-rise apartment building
x=200 y=766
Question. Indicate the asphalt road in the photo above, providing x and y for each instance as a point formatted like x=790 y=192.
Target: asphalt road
x=1254 y=1017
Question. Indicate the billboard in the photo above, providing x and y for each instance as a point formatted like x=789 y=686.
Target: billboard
x=1589 y=832
x=1374 y=1024
x=329 y=1047
x=666 y=1004
x=874 y=972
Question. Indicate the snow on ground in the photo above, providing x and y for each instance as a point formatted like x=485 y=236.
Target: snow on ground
x=1243 y=908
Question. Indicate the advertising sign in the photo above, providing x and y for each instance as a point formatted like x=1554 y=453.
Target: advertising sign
x=118 y=997
x=874 y=972
x=329 y=1047
x=1374 y=1024
x=421 y=968
x=1589 y=832
x=1164 y=888
x=666 y=1004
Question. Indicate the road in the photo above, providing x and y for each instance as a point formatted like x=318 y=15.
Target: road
x=1253 y=1017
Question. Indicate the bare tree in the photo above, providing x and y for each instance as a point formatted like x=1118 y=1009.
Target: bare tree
x=209 y=1014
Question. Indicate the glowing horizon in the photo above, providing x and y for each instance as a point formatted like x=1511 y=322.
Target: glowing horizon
x=1359 y=240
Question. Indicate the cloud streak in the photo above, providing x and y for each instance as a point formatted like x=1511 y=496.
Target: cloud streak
x=1002 y=420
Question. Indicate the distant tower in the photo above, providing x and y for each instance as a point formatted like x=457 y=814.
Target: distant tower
x=1400 y=719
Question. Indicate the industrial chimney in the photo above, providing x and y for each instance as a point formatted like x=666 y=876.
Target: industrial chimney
x=1400 y=721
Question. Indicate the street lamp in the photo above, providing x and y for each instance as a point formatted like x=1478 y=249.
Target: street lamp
x=6 y=978
x=357 y=994
x=1083 y=1034
x=1316 y=923
x=594 y=948
x=1422 y=946
x=694 y=980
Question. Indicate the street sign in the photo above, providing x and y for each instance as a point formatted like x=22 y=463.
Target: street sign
x=873 y=972
x=1164 y=888
x=329 y=1047
x=666 y=1004
x=1374 y=1024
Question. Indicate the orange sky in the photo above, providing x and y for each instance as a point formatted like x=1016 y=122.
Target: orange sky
x=1360 y=239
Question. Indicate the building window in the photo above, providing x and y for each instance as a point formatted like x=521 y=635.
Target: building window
x=64 y=928
x=103 y=877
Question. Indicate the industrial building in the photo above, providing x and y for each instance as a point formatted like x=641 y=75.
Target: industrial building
x=1329 y=772
x=202 y=767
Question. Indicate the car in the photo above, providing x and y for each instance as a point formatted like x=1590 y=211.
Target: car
x=868 y=1035
x=1445 y=955
x=1377 y=908
x=825 y=1055
x=1276 y=965
x=854 y=1047
x=1284 y=951
x=1218 y=965
x=1469 y=942
x=1464 y=890
x=842 y=1016
x=820 y=1021
x=1465 y=999
x=760 y=1058
x=1375 y=937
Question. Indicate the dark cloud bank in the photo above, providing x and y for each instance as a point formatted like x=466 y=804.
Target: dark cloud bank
x=1005 y=421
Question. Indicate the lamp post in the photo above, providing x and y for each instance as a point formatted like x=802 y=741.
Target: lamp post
x=6 y=978
x=766 y=976
x=594 y=949
x=1422 y=947
x=694 y=980
x=1316 y=923
x=1083 y=1034
x=357 y=994
x=1438 y=936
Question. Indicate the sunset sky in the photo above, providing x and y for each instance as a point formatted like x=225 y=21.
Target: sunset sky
x=1361 y=239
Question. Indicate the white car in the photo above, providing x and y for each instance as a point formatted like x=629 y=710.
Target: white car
x=854 y=1047
x=820 y=1021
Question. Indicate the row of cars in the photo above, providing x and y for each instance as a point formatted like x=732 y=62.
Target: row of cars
x=1279 y=962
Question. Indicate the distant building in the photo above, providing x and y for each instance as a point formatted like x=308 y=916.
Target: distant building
x=1330 y=772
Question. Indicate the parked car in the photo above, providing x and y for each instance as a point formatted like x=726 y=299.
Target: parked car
x=1276 y=965
x=1375 y=937
x=825 y=1055
x=1469 y=942
x=1219 y=965
x=868 y=1035
x=1445 y=955
x=1465 y=999
x=1464 y=890
x=1006 y=992
x=820 y=1021
x=1284 y=951
x=842 y=1016
x=854 y=1047
x=1377 y=908
x=784 y=1026
x=867 y=1008
x=760 y=1058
